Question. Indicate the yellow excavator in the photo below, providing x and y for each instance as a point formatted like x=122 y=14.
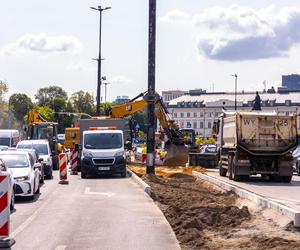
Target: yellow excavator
x=39 y=128
x=177 y=152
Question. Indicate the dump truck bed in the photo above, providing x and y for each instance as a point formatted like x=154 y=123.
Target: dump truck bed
x=260 y=133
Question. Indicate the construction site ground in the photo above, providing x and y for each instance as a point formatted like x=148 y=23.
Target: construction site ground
x=205 y=217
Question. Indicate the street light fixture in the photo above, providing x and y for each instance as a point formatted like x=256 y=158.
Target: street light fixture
x=235 y=90
x=99 y=80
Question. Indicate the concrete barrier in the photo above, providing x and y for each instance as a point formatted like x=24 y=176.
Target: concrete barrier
x=140 y=182
x=260 y=200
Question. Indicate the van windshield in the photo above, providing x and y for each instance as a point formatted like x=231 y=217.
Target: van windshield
x=103 y=141
x=4 y=141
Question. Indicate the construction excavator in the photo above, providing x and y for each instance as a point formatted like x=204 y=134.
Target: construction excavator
x=177 y=146
x=39 y=128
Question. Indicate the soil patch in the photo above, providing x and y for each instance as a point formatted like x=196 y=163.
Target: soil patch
x=206 y=218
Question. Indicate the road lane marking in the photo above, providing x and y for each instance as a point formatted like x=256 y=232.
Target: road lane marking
x=108 y=194
x=61 y=247
x=20 y=228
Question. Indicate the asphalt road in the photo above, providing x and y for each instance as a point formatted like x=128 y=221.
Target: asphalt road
x=105 y=213
x=285 y=193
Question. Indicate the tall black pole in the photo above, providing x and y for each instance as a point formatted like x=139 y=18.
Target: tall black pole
x=151 y=88
x=99 y=79
x=235 y=91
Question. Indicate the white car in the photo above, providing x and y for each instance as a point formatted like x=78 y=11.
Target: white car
x=25 y=174
x=11 y=182
x=43 y=149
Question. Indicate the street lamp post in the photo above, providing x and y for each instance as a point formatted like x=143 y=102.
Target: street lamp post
x=105 y=84
x=99 y=59
x=235 y=90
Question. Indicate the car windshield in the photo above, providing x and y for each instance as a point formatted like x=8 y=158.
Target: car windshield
x=15 y=160
x=41 y=149
x=103 y=141
x=4 y=141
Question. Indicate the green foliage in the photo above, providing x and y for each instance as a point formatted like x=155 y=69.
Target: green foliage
x=210 y=140
x=45 y=96
x=141 y=134
x=83 y=102
x=141 y=119
x=3 y=90
x=59 y=104
x=20 y=104
x=46 y=112
x=199 y=140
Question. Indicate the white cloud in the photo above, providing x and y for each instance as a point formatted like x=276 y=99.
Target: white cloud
x=242 y=33
x=43 y=43
x=175 y=17
x=119 y=80
x=80 y=67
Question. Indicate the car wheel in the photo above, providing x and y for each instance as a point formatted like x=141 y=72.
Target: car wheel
x=123 y=174
x=83 y=175
x=38 y=190
x=12 y=201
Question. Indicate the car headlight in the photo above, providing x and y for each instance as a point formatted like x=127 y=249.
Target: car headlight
x=87 y=153
x=120 y=153
x=22 y=178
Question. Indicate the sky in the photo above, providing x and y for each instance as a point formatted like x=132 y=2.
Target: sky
x=200 y=44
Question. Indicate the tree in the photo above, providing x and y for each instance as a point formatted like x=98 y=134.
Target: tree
x=3 y=105
x=46 y=112
x=45 y=96
x=20 y=104
x=83 y=102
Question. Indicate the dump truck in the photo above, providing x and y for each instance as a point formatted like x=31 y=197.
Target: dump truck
x=256 y=142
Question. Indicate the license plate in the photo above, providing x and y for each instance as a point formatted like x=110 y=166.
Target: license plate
x=103 y=168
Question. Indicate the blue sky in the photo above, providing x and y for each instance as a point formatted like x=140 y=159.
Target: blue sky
x=199 y=44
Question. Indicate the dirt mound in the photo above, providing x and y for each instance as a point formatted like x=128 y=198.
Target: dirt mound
x=205 y=218
x=278 y=243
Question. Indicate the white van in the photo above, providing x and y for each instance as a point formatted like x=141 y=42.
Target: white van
x=9 y=137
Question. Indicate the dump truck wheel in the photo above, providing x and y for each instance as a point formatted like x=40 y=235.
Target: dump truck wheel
x=230 y=167
x=222 y=171
x=234 y=176
x=285 y=179
x=298 y=169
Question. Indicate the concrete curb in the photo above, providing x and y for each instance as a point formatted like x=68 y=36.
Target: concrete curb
x=141 y=183
x=294 y=215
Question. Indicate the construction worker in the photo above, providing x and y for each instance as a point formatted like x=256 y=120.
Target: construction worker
x=144 y=155
x=162 y=155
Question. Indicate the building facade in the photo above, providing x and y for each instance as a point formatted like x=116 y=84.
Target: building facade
x=291 y=82
x=200 y=111
x=170 y=95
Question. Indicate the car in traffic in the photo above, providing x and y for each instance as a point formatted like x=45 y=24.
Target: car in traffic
x=24 y=172
x=11 y=184
x=38 y=161
x=296 y=156
x=43 y=149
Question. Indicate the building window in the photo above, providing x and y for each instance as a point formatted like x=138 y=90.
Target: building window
x=188 y=114
x=201 y=124
x=175 y=115
x=181 y=115
x=209 y=125
x=195 y=124
x=188 y=124
x=209 y=114
x=201 y=114
x=181 y=124
x=195 y=114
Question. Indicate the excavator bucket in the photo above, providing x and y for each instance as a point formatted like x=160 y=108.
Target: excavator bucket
x=177 y=155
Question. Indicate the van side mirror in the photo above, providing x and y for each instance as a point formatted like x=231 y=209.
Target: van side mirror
x=40 y=160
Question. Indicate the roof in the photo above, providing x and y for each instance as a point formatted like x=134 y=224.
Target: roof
x=33 y=142
x=102 y=131
x=294 y=97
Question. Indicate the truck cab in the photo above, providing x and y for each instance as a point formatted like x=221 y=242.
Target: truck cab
x=103 y=152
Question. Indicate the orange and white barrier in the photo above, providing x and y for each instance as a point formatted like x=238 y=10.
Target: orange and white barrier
x=63 y=178
x=74 y=161
x=4 y=212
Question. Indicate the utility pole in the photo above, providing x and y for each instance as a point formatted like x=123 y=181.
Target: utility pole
x=105 y=84
x=235 y=91
x=151 y=88
x=99 y=59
